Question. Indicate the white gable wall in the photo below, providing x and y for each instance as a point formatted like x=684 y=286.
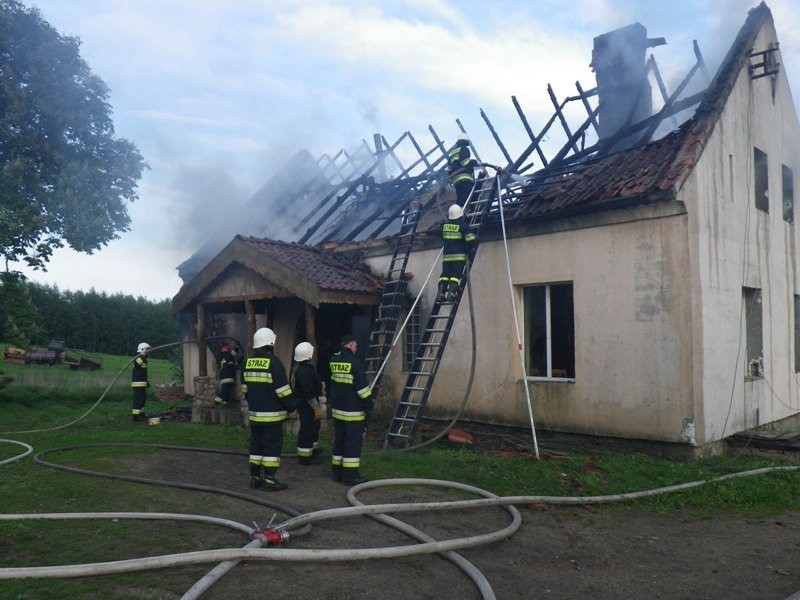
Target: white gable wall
x=735 y=245
x=658 y=305
x=633 y=377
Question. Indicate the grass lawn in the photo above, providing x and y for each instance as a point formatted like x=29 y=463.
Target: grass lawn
x=51 y=397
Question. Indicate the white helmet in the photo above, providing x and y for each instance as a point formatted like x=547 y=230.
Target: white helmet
x=463 y=139
x=143 y=347
x=263 y=337
x=455 y=212
x=303 y=351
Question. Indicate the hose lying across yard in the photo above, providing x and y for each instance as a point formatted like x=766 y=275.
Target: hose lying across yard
x=300 y=524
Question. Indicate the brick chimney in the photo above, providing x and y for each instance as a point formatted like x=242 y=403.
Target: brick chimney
x=619 y=63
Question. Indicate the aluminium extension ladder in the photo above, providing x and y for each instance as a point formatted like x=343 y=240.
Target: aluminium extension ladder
x=393 y=294
x=429 y=353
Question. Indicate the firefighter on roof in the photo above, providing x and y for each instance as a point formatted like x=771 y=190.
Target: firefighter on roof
x=351 y=400
x=269 y=402
x=460 y=165
x=458 y=240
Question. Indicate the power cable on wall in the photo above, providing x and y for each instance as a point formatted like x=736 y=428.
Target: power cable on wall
x=745 y=243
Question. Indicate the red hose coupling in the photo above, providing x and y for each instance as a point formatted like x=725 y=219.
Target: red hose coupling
x=270 y=536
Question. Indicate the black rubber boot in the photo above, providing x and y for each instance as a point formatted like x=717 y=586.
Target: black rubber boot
x=256 y=479
x=336 y=472
x=271 y=483
x=353 y=478
x=452 y=291
x=442 y=293
x=314 y=459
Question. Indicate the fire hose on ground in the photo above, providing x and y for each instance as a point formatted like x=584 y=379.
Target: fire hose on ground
x=300 y=524
x=282 y=531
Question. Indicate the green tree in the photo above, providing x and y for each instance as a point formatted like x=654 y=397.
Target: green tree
x=19 y=320
x=64 y=177
x=97 y=322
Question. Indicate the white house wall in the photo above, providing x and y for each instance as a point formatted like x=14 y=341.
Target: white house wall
x=735 y=245
x=659 y=321
x=631 y=323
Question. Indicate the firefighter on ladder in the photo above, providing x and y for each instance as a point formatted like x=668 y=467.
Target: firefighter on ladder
x=458 y=240
x=460 y=165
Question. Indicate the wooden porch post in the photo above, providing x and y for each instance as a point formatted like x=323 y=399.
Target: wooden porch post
x=311 y=333
x=201 y=345
x=251 y=324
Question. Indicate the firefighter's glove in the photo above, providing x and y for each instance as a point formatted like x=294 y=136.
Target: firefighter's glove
x=315 y=405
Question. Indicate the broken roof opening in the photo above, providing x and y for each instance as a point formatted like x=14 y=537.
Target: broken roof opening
x=360 y=195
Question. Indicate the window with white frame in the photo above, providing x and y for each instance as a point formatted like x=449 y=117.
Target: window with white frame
x=549 y=331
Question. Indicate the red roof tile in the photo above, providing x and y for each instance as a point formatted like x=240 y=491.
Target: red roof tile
x=331 y=272
x=643 y=173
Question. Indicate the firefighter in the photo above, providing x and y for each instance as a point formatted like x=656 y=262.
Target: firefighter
x=227 y=365
x=351 y=401
x=460 y=165
x=458 y=240
x=139 y=383
x=269 y=402
x=307 y=388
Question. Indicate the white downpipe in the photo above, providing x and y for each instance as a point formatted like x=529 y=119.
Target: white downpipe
x=516 y=320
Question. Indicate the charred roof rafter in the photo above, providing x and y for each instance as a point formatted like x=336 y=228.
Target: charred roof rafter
x=346 y=213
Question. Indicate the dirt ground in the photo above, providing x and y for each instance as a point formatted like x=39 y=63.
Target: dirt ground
x=558 y=552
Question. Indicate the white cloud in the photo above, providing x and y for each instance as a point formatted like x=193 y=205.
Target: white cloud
x=217 y=95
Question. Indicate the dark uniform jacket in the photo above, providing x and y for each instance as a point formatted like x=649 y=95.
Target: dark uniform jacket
x=457 y=238
x=264 y=384
x=460 y=164
x=227 y=363
x=306 y=385
x=349 y=394
x=139 y=372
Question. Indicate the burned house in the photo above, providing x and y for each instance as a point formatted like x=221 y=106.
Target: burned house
x=652 y=276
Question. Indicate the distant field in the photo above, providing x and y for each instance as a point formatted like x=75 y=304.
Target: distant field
x=113 y=368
